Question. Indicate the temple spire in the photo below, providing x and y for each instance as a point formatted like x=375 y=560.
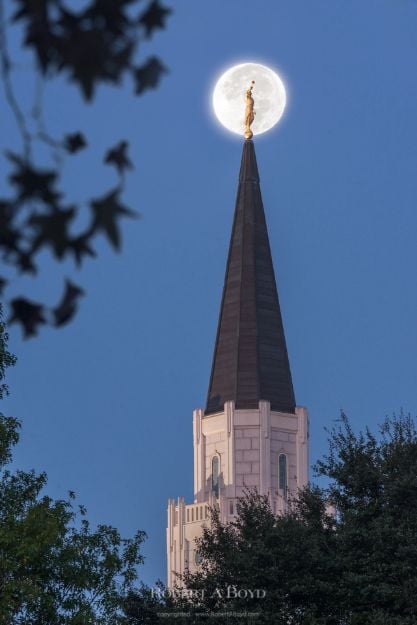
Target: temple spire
x=250 y=360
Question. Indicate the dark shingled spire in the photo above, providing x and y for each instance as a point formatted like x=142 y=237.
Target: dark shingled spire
x=250 y=357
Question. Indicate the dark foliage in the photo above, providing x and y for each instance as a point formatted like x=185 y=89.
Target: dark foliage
x=74 y=142
x=154 y=17
x=117 y=157
x=147 y=76
x=343 y=555
x=286 y=557
x=55 y=568
x=67 y=307
x=28 y=314
x=374 y=490
x=144 y=605
x=6 y=360
x=89 y=47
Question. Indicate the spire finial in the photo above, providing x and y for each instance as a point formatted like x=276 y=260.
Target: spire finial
x=249 y=112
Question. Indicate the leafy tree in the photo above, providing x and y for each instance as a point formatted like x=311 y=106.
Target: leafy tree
x=354 y=566
x=278 y=567
x=145 y=605
x=374 y=489
x=55 y=569
x=90 y=46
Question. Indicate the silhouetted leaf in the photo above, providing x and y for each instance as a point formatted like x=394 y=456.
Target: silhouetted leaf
x=89 y=52
x=147 y=76
x=92 y=45
x=3 y=284
x=106 y=212
x=33 y=183
x=52 y=230
x=39 y=32
x=9 y=236
x=117 y=156
x=29 y=314
x=112 y=15
x=154 y=17
x=25 y=263
x=68 y=305
x=30 y=9
x=80 y=247
x=74 y=142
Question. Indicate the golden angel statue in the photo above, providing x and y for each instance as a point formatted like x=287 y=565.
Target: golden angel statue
x=249 y=112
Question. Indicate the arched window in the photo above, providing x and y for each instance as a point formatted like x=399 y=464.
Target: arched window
x=215 y=473
x=282 y=473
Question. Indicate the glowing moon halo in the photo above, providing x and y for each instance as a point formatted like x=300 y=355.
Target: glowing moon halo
x=268 y=93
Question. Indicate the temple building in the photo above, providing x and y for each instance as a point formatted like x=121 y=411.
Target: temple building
x=251 y=433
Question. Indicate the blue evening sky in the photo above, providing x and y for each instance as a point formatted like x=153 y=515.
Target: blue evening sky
x=106 y=402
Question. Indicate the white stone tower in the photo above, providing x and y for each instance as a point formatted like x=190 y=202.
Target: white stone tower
x=251 y=433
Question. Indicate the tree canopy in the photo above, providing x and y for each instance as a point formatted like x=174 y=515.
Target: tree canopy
x=345 y=554
x=55 y=568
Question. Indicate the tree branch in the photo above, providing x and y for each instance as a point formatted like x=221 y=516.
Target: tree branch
x=42 y=133
x=5 y=64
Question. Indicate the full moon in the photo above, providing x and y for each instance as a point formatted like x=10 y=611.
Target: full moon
x=268 y=94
